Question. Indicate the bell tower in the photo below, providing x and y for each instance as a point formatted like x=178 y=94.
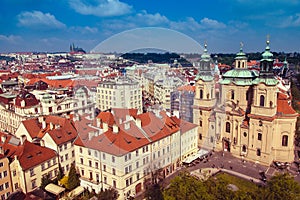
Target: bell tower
x=204 y=99
x=265 y=91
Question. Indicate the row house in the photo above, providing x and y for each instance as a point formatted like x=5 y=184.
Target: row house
x=16 y=107
x=28 y=164
x=130 y=149
x=54 y=132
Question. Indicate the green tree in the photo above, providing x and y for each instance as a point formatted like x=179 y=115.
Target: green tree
x=184 y=187
x=281 y=186
x=60 y=174
x=45 y=181
x=108 y=194
x=73 y=178
x=154 y=192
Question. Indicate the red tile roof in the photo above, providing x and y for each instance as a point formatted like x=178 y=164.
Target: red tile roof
x=61 y=130
x=187 y=88
x=283 y=106
x=32 y=155
x=129 y=136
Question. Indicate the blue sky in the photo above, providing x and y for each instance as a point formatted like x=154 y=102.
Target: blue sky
x=52 y=25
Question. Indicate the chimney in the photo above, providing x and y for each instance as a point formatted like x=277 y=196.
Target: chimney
x=127 y=125
x=91 y=135
x=3 y=138
x=176 y=113
x=51 y=125
x=138 y=122
x=44 y=124
x=42 y=143
x=105 y=126
x=23 y=138
x=115 y=128
x=41 y=119
x=98 y=121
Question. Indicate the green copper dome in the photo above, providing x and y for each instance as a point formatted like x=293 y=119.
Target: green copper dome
x=205 y=56
x=241 y=55
x=240 y=73
x=267 y=55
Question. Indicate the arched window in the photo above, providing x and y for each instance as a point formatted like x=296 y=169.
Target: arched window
x=262 y=100
x=239 y=64
x=285 y=140
x=227 y=127
x=58 y=108
x=201 y=94
x=244 y=148
x=232 y=94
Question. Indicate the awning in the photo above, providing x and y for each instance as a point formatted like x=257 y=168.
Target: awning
x=190 y=159
x=76 y=192
x=54 y=189
x=202 y=152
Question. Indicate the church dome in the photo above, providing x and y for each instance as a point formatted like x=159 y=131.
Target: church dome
x=240 y=73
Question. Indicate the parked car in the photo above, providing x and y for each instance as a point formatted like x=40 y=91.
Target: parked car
x=263 y=176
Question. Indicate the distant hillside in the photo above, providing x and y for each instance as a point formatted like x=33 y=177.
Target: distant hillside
x=157 y=58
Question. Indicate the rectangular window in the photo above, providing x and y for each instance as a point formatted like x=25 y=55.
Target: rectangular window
x=49 y=163
x=103 y=156
x=1 y=164
x=6 y=185
x=96 y=165
x=73 y=153
x=137 y=164
x=14 y=173
x=105 y=179
x=65 y=146
x=43 y=167
x=113 y=159
x=33 y=184
x=32 y=172
x=137 y=153
x=259 y=136
x=113 y=171
x=90 y=163
x=81 y=161
x=114 y=184
x=104 y=168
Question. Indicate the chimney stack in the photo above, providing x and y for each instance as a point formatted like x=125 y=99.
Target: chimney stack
x=138 y=122
x=115 y=128
x=3 y=138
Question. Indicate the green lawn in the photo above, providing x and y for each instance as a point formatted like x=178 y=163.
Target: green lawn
x=242 y=184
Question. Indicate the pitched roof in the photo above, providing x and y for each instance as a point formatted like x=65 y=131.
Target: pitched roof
x=283 y=106
x=32 y=155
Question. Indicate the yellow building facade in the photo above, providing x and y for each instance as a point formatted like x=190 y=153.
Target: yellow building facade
x=250 y=117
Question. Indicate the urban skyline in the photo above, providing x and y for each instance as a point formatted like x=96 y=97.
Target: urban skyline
x=49 y=26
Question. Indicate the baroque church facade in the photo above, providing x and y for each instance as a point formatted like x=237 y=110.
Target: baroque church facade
x=245 y=112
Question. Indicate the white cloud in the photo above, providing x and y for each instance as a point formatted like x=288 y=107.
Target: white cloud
x=290 y=21
x=151 y=19
x=84 y=30
x=10 y=38
x=101 y=8
x=211 y=23
x=37 y=19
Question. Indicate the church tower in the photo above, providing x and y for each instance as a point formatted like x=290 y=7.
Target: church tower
x=265 y=91
x=205 y=100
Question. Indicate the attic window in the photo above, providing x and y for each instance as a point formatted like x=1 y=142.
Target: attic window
x=29 y=156
x=58 y=136
x=39 y=153
x=69 y=132
x=113 y=142
x=138 y=138
x=128 y=141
